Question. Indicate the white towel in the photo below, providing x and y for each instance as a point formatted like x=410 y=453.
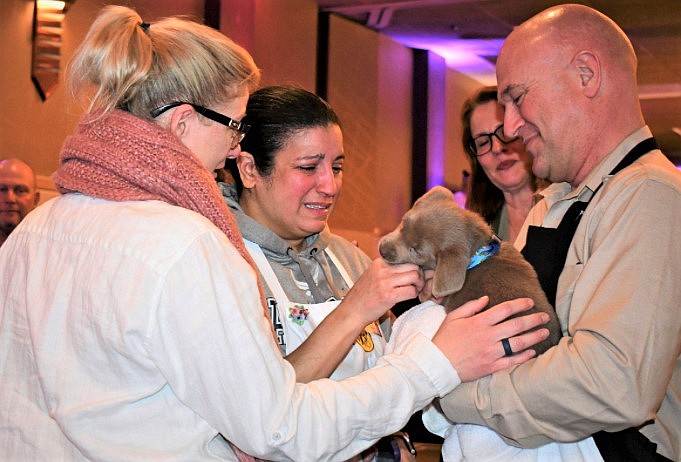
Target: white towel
x=422 y=319
x=466 y=442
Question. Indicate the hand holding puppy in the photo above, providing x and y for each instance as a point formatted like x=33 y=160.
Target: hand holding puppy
x=472 y=339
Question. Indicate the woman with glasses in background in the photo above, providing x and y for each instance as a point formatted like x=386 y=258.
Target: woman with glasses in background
x=502 y=187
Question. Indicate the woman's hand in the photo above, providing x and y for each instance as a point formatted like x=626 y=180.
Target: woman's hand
x=375 y=292
x=472 y=342
x=381 y=286
x=427 y=291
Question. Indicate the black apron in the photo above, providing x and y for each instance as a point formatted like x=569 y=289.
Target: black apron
x=546 y=250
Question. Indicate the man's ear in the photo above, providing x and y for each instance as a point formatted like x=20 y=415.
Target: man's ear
x=588 y=67
x=36 y=198
x=181 y=119
x=247 y=169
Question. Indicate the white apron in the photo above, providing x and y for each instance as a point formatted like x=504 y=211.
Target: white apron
x=300 y=319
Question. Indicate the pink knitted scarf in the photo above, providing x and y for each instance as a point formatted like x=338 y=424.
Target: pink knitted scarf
x=120 y=157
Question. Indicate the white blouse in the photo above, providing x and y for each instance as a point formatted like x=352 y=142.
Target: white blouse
x=134 y=331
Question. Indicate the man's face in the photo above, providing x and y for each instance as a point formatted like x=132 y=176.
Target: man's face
x=542 y=105
x=18 y=194
x=523 y=106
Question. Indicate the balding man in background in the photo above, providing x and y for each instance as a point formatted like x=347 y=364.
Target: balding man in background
x=18 y=194
x=604 y=241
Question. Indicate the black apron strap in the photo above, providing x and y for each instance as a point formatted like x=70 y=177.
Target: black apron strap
x=628 y=445
x=644 y=147
x=546 y=250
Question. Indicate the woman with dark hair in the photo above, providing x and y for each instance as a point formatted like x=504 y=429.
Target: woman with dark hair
x=287 y=180
x=501 y=186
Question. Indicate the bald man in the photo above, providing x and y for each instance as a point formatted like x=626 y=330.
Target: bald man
x=18 y=194
x=604 y=243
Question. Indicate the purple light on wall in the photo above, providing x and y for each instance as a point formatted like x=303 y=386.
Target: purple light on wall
x=464 y=56
x=436 y=120
x=468 y=56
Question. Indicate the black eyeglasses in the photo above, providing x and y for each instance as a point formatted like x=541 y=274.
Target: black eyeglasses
x=482 y=144
x=239 y=128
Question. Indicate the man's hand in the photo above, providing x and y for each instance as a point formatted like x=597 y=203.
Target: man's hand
x=472 y=340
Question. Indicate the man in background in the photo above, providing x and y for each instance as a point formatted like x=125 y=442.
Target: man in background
x=18 y=194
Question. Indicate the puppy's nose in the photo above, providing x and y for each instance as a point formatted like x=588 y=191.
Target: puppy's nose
x=387 y=251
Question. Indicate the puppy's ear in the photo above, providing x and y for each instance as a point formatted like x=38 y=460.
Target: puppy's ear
x=435 y=194
x=450 y=273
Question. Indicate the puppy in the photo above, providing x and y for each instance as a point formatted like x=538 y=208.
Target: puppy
x=468 y=260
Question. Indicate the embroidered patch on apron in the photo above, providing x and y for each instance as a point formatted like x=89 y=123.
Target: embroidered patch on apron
x=298 y=314
x=365 y=341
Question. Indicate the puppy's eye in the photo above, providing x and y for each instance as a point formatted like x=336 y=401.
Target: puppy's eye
x=413 y=251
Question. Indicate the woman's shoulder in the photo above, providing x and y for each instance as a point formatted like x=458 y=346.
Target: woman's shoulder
x=348 y=252
x=126 y=225
x=337 y=241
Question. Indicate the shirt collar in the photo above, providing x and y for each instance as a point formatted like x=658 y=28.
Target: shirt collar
x=563 y=191
x=602 y=171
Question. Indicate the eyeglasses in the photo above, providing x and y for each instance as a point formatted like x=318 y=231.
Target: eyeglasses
x=482 y=144
x=238 y=128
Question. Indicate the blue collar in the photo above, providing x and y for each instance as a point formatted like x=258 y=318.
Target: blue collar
x=486 y=251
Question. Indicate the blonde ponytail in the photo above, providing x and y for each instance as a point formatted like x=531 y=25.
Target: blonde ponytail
x=121 y=64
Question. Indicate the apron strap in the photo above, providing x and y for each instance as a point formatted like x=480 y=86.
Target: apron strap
x=341 y=269
x=267 y=272
x=272 y=280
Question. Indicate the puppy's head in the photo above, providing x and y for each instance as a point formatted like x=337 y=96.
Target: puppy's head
x=437 y=234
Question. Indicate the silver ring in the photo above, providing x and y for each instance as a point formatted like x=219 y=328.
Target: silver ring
x=507 y=347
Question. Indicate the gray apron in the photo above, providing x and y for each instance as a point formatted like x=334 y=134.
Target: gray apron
x=300 y=319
